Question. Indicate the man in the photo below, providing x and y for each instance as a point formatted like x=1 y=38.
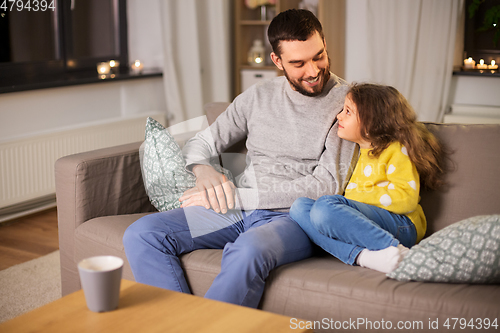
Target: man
x=294 y=151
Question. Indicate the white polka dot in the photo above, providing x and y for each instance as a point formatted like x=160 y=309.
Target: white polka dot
x=413 y=184
x=382 y=184
x=391 y=186
x=391 y=169
x=404 y=150
x=385 y=200
x=351 y=186
x=367 y=171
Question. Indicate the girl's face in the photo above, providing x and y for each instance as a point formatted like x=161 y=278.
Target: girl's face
x=349 y=127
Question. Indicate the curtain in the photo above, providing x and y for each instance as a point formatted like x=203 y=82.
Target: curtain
x=408 y=44
x=196 y=46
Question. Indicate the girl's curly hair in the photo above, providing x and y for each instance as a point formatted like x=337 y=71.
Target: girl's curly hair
x=386 y=116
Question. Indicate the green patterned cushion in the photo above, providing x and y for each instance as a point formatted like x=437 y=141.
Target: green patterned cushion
x=163 y=168
x=464 y=252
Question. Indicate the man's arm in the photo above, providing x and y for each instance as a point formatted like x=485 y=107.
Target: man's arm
x=330 y=176
x=213 y=189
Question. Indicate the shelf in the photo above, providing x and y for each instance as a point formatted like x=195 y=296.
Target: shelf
x=477 y=72
x=248 y=26
x=71 y=79
x=255 y=22
x=259 y=67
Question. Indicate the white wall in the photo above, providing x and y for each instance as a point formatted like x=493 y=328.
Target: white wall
x=28 y=113
x=475 y=90
x=474 y=99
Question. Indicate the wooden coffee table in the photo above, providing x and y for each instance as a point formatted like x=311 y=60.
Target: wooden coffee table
x=143 y=308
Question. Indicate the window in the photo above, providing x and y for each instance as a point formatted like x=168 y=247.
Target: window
x=54 y=40
x=480 y=33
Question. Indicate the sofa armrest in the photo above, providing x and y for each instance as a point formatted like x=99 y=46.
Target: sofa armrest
x=92 y=184
x=103 y=182
x=100 y=183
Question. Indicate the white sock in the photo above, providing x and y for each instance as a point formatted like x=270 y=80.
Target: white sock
x=385 y=260
x=403 y=251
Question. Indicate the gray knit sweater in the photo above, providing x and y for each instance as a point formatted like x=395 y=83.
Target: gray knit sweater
x=293 y=147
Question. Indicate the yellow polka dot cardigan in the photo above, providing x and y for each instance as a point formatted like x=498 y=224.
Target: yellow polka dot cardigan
x=391 y=182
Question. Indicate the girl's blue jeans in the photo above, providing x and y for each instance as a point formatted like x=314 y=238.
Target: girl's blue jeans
x=344 y=227
x=254 y=243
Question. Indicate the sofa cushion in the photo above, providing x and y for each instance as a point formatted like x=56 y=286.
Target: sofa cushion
x=323 y=287
x=465 y=252
x=103 y=236
x=200 y=268
x=164 y=168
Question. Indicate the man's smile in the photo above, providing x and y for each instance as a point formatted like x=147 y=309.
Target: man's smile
x=312 y=82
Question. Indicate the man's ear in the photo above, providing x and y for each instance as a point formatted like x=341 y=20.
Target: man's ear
x=277 y=61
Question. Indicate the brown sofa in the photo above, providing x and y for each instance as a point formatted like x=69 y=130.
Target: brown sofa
x=100 y=193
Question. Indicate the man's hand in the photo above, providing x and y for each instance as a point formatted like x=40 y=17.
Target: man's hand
x=213 y=189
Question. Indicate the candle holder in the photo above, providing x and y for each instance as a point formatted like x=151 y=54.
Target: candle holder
x=114 y=66
x=469 y=63
x=482 y=65
x=136 y=67
x=103 y=69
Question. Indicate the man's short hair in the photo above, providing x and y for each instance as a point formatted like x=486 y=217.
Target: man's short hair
x=292 y=24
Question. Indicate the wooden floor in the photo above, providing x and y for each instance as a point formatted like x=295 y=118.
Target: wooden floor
x=28 y=238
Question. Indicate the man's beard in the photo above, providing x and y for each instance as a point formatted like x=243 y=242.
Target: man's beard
x=324 y=76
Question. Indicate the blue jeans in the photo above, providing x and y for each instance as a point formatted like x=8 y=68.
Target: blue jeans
x=344 y=227
x=253 y=244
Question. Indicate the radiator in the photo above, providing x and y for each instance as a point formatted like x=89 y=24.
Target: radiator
x=27 y=164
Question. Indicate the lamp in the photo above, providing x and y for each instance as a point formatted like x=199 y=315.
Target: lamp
x=256 y=54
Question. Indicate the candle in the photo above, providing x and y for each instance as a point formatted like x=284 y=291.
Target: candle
x=137 y=67
x=114 y=65
x=482 y=65
x=493 y=65
x=103 y=68
x=469 y=63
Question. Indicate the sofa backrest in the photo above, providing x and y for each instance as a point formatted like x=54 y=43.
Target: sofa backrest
x=214 y=109
x=473 y=179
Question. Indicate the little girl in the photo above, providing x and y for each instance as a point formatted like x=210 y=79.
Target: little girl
x=379 y=217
